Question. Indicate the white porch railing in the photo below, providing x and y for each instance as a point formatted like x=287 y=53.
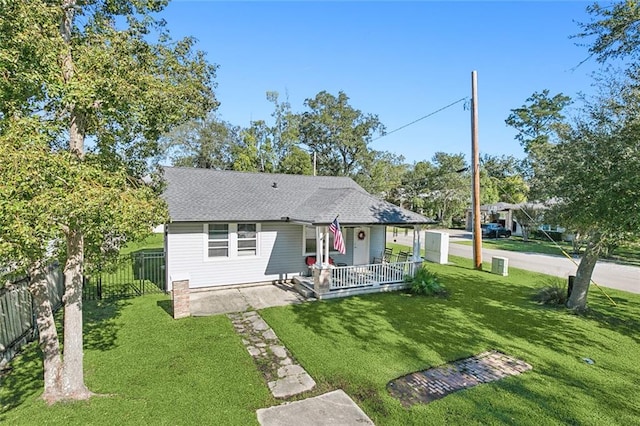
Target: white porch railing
x=343 y=277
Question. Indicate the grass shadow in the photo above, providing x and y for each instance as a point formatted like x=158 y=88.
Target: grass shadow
x=100 y=327
x=24 y=376
x=21 y=379
x=167 y=306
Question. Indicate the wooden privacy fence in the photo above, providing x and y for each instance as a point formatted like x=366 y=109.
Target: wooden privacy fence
x=17 y=313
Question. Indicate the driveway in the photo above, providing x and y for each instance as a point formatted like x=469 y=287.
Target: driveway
x=606 y=274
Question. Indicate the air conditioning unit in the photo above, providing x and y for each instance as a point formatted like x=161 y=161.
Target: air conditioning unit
x=500 y=266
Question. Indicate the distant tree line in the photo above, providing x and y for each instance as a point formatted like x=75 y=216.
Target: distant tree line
x=340 y=137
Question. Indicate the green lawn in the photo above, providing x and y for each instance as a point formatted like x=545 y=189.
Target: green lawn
x=361 y=343
x=155 y=370
x=400 y=247
x=153 y=241
x=516 y=244
x=130 y=271
x=152 y=370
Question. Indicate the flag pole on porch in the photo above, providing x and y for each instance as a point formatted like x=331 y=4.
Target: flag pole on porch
x=338 y=240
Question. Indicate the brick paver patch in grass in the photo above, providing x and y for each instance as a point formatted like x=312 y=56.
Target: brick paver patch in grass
x=434 y=383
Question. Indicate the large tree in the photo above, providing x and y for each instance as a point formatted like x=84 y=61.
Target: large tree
x=412 y=192
x=504 y=173
x=538 y=122
x=439 y=188
x=615 y=28
x=382 y=175
x=338 y=133
x=595 y=169
x=595 y=175
x=450 y=191
x=208 y=143
x=288 y=157
x=273 y=148
x=105 y=70
x=42 y=195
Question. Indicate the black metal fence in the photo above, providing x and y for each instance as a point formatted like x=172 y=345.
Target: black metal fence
x=135 y=274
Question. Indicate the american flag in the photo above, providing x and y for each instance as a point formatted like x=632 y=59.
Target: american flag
x=338 y=241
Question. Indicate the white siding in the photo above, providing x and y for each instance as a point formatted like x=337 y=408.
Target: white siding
x=280 y=256
x=377 y=241
x=376 y=244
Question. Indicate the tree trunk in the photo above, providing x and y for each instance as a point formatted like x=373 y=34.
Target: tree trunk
x=73 y=386
x=73 y=374
x=48 y=335
x=578 y=299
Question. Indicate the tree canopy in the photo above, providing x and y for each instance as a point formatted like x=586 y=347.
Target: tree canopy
x=538 y=122
x=593 y=172
x=615 y=28
x=103 y=71
x=338 y=133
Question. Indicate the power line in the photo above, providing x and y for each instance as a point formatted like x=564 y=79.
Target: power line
x=421 y=118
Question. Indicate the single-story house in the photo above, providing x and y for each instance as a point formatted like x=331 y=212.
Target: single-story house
x=230 y=228
x=502 y=213
x=498 y=212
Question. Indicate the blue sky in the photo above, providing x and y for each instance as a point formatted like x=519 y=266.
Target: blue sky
x=399 y=60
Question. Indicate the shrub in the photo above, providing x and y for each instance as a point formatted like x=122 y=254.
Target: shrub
x=553 y=293
x=540 y=235
x=427 y=283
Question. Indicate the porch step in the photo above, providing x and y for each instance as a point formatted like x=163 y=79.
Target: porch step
x=303 y=288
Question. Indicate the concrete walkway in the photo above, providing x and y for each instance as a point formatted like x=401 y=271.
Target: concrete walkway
x=241 y=299
x=331 y=409
x=606 y=274
x=285 y=378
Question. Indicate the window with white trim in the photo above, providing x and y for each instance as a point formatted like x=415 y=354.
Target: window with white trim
x=230 y=240
x=218 y=240
x=247 y=239
x=309 y=240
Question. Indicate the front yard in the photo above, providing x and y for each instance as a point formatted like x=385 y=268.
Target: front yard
x=151 y=370
x=362 y=343
x=196 y=371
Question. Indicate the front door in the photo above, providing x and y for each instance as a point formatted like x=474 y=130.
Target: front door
x=361 y=246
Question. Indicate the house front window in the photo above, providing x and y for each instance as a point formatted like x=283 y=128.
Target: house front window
x=230 y=240
x=247 y=239
x=218 y=240
x=309 y=240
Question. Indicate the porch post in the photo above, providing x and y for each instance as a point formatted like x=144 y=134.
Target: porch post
x=318 y=247
x=416 y=243
x=326 y=245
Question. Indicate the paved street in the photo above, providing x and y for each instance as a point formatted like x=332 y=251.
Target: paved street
x=606 y=274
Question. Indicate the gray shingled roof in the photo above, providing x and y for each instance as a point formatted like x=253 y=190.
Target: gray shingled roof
x=201 y=195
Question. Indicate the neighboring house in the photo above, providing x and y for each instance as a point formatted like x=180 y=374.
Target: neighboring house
x=503 y=213
x=500 y=213
x=229 y=228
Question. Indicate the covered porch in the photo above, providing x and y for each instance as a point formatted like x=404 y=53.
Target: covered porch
x=341 y=281
x=379 y=270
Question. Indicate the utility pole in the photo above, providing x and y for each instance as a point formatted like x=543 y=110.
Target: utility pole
x=475 y=166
